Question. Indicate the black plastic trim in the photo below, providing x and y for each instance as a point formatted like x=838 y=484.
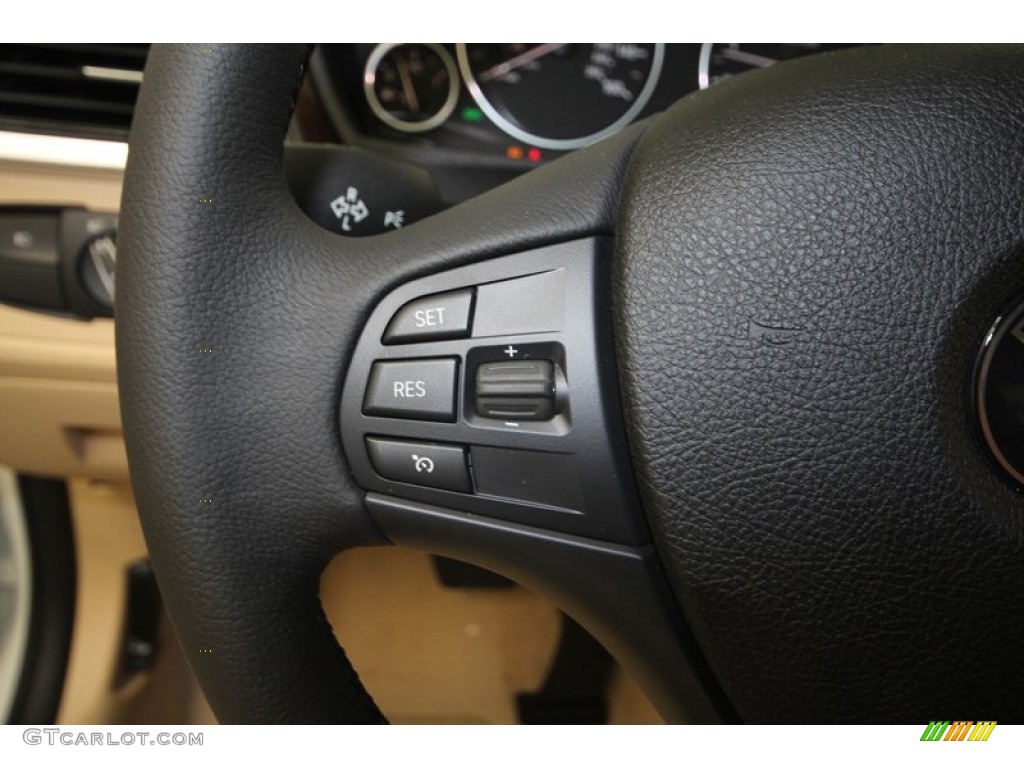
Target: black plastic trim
x=48 y=519
x=143 y=613
x=616 y=592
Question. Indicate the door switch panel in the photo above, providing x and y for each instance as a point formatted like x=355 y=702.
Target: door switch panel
x=520 y=390
x=432 y=318
x=413 y=389
x=433 y=465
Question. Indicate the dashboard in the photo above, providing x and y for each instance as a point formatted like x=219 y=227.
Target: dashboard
x=517 y=104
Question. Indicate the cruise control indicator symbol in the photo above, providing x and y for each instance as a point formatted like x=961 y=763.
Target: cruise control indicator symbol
x=423 y=464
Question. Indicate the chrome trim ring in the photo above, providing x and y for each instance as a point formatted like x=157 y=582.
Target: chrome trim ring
x=408 y=126
x=704 y=65
x=562 y=144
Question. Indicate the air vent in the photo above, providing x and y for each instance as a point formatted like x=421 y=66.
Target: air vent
x=69 y=89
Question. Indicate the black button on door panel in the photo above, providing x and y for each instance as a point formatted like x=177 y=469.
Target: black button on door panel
x=434 y=465
x=413 y=389
x=432 y=318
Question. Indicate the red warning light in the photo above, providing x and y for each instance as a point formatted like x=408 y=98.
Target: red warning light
x=534 y=155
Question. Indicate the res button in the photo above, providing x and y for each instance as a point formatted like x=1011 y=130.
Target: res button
x=432 y=318
x=413 y=389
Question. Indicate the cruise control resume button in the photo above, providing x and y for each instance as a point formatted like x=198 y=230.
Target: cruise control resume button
x=413 y=389
x=432 y=318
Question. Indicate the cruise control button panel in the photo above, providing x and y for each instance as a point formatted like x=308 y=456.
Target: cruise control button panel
x=432 y=318
x=432 y=465
x=413 y=389
x=491 y=389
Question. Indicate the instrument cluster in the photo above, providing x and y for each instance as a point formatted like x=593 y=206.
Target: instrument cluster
x=526 y=102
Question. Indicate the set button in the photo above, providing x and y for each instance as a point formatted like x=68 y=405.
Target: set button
x=432 y=318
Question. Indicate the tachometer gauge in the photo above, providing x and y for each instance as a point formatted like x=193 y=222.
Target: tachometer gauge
x=412 y=87
x=721 y=60
x=561 y=95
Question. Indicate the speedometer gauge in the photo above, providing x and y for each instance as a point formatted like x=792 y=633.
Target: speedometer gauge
x=561 y=95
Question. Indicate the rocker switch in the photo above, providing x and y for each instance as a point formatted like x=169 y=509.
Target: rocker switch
x=516 y=390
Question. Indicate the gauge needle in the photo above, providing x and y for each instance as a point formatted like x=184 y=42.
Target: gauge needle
x=516 y=62
x=745 y=57
x=407 y=87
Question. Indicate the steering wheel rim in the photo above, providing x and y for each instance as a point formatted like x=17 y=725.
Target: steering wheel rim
x=237 y=318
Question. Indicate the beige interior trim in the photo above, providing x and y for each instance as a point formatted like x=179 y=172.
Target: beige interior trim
x=66 y=151
x=61 y=428
x=40 y=347
x=108 y=539
x=58 y=395
x=23 y=183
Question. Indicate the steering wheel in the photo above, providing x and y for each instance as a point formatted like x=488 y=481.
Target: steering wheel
x=738 y=439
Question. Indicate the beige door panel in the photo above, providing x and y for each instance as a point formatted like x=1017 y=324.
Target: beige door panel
x=24 y=183
x=58 y=394
x=61 y=428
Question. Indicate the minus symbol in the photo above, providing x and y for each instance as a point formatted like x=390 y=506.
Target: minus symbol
x=511 y=424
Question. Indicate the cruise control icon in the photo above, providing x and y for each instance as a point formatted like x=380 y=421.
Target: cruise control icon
x=423 y=464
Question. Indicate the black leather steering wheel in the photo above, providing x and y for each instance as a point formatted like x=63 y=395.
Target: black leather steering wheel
x=801 y=266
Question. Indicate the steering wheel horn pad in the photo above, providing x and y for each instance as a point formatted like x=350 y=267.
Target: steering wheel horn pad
x=809 y=260
x=806 y=261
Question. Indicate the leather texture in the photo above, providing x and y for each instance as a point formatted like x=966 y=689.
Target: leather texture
x=235 y=318
x=809 y=260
